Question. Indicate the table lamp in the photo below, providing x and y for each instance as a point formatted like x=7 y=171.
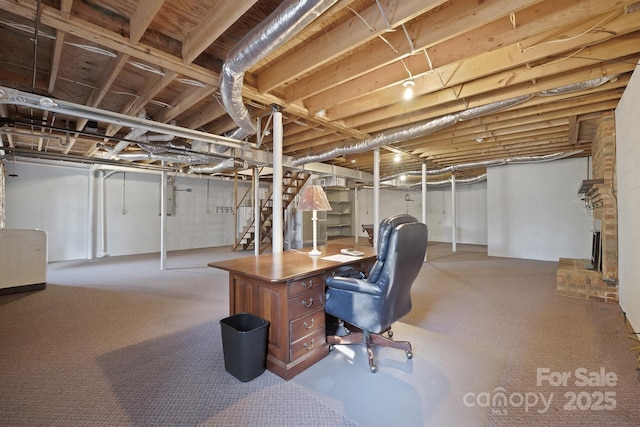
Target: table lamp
x=314 y=199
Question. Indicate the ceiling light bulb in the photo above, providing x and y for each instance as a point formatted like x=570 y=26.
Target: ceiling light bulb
x=403 y=177
x=397 y=158
x=408 y=88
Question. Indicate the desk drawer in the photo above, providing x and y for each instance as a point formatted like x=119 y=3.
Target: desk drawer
x=306 y=303
x=303 y=285
x=307 y=324
x=307 y=344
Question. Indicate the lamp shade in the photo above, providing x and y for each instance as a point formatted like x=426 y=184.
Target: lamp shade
x=313 y=198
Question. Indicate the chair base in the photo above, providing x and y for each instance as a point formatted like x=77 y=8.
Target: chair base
x=370 y=339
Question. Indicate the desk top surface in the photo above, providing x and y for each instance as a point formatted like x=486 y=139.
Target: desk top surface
x=292 y=264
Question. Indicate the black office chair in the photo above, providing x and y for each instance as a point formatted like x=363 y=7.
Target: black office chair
x=373 y=304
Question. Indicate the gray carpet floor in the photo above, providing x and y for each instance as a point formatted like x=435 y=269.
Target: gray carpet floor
x=117 y=341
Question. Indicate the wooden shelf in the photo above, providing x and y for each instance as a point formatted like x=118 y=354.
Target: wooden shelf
x=339 y=218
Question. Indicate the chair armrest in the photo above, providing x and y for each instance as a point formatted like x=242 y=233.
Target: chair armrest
x=354 y=285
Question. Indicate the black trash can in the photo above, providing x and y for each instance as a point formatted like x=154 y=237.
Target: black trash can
x=244 y=343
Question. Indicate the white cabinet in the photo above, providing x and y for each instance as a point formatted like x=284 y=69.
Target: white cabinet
x=23 y=260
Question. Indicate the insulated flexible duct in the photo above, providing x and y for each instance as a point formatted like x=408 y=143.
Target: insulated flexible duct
x=220 y=167
x=434 y=125
x=487 y=163
x=166 y=157
x=286 y=21
x=410 y=132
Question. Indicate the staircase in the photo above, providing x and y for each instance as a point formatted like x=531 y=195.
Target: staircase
x=292 y=183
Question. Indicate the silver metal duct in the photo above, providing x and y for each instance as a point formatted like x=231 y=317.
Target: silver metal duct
x=166 y=157
x=410 y=132
x=444 y=182
x=133 y=135
x=16 y=97
x=575 y=87
x=433 y=125
x=220 y=167
x=286 y=21
x=487 y=163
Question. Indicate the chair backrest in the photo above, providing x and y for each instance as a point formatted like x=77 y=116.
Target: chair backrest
x=384 y=232
x=404 y=247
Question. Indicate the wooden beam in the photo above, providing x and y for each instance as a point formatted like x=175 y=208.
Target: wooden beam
x=451 y=72
x=109 y=40
x=185 y=101
x=449 y=22
x=142 y=16
x=433 y=103
x=65 y=8
x=55 y=61
x=573 y=130
x=500 y=68
x=216 y=22
x=202 y=116
x=369 y=24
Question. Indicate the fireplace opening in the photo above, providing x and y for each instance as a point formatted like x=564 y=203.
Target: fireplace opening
x=596 y=252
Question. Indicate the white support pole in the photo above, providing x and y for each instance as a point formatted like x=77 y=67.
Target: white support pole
x=277 y=231
x=256 y=211
x=376 y=195
x=453 y=213
x=355 y=220
x=102 y=225
x=163 y=219
x=91 y=211
x=424 y=200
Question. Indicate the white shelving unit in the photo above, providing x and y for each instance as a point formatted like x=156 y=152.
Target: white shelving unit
x=339 y=218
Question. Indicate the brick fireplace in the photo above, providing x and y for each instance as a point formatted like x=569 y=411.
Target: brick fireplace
x=583 y=278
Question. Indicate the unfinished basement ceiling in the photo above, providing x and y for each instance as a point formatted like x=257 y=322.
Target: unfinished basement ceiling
x=536 y=76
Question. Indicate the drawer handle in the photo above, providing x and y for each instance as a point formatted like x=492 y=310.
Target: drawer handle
x=307 y=326
x=308 y=304
x=308 y=286
x=310 y=347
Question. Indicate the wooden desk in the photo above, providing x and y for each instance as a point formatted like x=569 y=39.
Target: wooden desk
x=288 y=289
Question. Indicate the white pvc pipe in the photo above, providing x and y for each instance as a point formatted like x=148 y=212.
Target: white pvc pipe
x=256 y=212
x=103 y=212
x=356 y=220
x=453 y=213
x=424 y=200
x=277 y=231
x=91 y=206
x=376 y=195
x=163 y=219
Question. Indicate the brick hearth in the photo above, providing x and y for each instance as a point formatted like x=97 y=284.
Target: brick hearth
x=575 y=280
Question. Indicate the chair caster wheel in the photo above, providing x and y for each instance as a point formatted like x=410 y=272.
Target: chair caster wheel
x=390 y=333
x=373 y=368
x=331 y=347
x=409 y=355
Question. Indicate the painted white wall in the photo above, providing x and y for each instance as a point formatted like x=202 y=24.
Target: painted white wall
x=534 y=211
x=53 y=199
x=471 y=209
x=56 y=199
x=628 y=178
x=137 y=230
